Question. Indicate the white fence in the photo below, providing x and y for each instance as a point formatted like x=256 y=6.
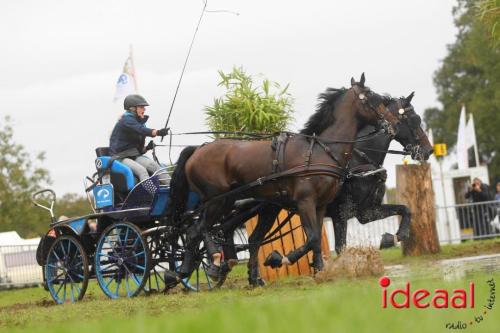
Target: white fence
x=18 y=266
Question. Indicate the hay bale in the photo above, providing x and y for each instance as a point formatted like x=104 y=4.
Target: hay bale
x=354 y=262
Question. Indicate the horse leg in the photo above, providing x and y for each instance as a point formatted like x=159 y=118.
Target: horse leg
x=379 y=212
x=194 y=234
x=214 y=214
x=316 y=246
x=267 y=216
x=339 y=227
x=308 y=216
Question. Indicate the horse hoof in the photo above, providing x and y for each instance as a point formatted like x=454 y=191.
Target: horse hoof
x=255 y=283
x=403 y=236
x=171 y=279
x=387 y=241
x=274 y=259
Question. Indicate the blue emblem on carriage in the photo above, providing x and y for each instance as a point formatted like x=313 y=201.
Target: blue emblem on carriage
x=103 y=196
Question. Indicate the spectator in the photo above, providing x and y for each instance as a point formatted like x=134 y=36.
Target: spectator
x=497 y=195
x=481 y=214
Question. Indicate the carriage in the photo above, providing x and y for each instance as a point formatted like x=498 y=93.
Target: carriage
x=131 y=242
x=124 y=243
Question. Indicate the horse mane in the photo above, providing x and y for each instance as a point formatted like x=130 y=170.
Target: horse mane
x=323 y=117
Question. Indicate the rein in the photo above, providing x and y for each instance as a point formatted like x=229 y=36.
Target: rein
x=389 y=151
x=258 y=136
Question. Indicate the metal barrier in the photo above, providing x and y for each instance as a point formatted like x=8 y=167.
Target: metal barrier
x=454 y=224
x=468 y=221
x=18 y=266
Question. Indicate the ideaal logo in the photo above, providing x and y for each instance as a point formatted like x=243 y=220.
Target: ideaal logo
x=438 y=299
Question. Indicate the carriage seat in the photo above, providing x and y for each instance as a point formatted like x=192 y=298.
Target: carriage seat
x=122 y=177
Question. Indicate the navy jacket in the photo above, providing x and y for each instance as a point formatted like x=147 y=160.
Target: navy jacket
x=129 y=132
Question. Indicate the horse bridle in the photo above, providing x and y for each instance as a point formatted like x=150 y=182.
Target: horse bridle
x=386 y=125
x=415 y=150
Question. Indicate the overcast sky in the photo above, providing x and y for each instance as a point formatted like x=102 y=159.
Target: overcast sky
x=60 y=61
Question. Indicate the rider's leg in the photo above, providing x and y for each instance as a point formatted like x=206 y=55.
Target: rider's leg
x=137 y=169
x=151 y=167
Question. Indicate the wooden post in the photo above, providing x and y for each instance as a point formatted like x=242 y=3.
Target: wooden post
x=414 y=189
x=293 y=236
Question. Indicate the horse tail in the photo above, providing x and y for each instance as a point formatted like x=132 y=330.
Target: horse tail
x=179 y=187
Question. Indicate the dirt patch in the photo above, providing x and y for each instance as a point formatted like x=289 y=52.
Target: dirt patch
x=45 y=303
x=354 y=262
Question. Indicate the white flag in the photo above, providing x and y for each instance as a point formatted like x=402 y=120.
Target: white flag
x=126 y=83
x=462 y=157
x=470 y=137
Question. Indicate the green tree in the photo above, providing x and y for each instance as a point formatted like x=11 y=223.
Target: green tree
x=72 y=205
x=266 y=108
x=19 y=178
x=469 y=74
x=489 y=13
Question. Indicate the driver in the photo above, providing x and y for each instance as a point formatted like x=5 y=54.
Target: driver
x=129 y=135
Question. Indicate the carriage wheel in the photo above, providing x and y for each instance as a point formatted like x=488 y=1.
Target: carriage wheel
x=199 y=279
x=66 y=270
x=122 y=260
x=162 y=265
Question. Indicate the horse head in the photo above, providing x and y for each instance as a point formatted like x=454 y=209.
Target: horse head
x=408 y=129
x=370 y=107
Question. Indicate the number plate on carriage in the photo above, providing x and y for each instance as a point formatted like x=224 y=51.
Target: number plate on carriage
x=103 y=195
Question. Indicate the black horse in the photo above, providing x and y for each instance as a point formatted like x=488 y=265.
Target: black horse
x=361 y=195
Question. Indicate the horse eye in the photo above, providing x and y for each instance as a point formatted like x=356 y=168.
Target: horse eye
x=401 y=111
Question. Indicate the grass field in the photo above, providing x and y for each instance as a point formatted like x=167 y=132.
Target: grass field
x=292 y=305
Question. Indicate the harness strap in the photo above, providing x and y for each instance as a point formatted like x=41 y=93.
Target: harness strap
x=317 y=169
x=310 y=150
x=365 y=157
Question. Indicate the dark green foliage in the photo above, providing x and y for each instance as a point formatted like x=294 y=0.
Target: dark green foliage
x=470 y=74
x=20 y=176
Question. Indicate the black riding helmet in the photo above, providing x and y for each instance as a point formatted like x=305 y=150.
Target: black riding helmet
x=134 y=101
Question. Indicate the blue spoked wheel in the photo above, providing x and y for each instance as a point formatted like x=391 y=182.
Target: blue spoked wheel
x=66 y=270
x=122 y=260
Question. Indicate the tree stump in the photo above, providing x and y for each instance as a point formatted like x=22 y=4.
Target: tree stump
x=414 y=189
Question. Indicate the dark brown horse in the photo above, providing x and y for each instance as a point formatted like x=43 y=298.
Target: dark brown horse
x=307 y=175
x=359 y=196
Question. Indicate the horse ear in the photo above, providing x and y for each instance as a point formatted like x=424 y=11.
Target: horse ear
x=353 y=82
x=362 y=80
x=410 y=97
